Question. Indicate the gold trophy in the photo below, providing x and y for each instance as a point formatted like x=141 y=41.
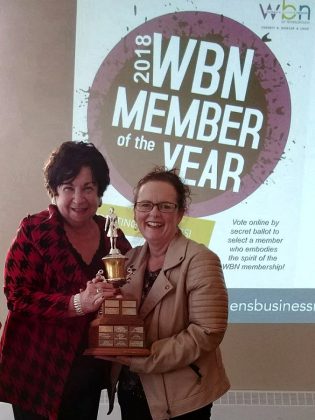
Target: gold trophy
x=117 y=330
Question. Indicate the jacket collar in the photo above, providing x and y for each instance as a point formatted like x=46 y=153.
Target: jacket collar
x=162 y=286
x=176 y=251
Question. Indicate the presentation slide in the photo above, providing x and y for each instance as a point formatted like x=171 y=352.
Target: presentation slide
x=224 y=92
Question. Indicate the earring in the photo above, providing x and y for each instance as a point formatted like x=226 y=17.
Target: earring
x=53 y=200
x=100 y=202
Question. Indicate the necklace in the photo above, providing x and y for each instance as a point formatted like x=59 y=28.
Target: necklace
x=149 y=279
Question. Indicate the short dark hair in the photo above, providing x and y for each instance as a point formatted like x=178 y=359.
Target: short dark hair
x=65 y=163
x=161 y=173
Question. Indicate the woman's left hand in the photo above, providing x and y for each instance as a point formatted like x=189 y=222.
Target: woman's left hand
x=104 y=286
x=107 y=289
x=95 y=293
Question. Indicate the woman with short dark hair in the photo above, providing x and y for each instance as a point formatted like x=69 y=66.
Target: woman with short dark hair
x=53 y=293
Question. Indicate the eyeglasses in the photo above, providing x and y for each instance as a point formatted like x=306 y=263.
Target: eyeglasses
x=164 y=207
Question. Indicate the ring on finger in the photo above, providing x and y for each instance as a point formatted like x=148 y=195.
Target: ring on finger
x=97 y=290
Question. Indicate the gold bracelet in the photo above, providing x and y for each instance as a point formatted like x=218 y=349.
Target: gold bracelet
x=77 y=304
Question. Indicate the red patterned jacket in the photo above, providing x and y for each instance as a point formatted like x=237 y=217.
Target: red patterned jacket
x=39 y=341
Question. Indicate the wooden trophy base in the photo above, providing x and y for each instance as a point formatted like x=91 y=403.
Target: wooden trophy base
x=118 y=331
x=109 y=351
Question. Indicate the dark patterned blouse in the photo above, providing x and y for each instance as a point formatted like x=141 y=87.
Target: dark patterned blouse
x=130 y=381
x=40 y=341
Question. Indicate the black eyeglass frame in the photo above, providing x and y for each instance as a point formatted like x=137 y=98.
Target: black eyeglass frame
x=171 y=209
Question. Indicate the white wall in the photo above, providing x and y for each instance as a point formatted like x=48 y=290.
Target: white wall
x=37 y=40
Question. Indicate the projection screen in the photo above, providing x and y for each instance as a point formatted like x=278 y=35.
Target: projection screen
x=223 y=91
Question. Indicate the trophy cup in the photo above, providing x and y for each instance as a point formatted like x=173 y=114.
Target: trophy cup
x=117 y=330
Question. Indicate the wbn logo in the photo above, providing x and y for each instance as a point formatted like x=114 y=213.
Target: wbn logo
x=287 y=11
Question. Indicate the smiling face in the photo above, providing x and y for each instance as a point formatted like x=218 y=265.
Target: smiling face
x=77 y=200
x=157 y=227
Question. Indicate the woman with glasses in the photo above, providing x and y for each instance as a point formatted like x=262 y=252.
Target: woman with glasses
x=183 y=300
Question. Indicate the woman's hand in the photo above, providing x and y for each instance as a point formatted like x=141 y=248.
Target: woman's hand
x=95 y=293
x=123 y=360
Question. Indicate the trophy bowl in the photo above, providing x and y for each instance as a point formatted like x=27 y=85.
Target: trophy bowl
x=115 y=269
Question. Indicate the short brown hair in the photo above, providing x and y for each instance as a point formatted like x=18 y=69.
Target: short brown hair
x=161 y=173
x=65 y=163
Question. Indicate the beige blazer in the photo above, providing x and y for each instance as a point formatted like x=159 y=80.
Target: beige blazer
x=185 y=316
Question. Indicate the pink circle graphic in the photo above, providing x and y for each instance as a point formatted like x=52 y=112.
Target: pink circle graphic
x=209 y=163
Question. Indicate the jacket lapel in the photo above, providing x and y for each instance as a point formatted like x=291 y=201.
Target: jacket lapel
x=162 y=286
